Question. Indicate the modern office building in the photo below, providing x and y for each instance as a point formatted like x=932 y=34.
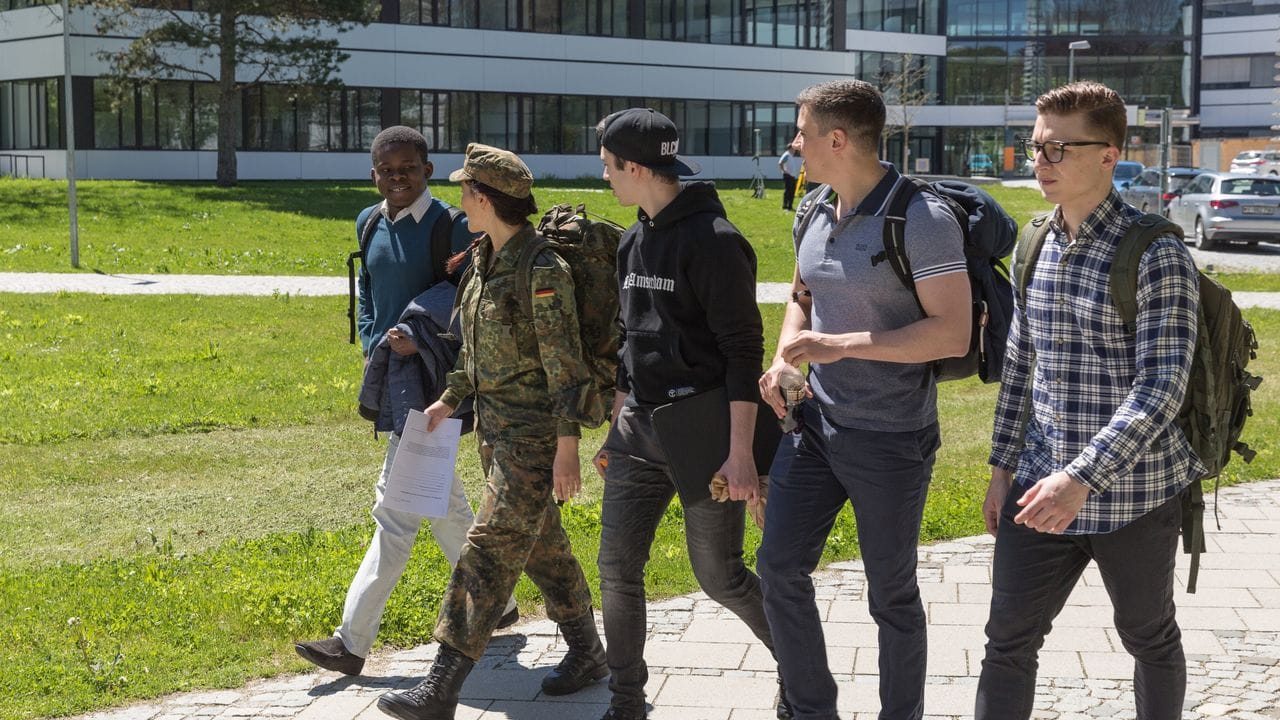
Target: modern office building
x=536 y=75
x=1238 y=97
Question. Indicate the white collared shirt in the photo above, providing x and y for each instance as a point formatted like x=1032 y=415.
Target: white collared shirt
x=417 y=209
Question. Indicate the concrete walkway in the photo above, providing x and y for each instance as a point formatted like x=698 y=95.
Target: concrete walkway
x=705 y=665
x=141 y=284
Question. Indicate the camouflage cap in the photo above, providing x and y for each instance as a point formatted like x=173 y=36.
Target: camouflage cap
x=500 y=169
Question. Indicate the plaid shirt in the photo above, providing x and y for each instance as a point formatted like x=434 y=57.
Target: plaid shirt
x=1103 y=400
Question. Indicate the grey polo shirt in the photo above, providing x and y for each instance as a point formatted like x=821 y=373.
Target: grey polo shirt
x=850 y=294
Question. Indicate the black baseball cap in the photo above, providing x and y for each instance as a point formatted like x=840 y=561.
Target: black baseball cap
x=646 y=137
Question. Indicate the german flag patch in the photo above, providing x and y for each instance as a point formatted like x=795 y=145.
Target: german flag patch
x=545 y=292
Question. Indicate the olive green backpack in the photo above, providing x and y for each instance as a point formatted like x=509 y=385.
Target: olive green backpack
x=1217 y=404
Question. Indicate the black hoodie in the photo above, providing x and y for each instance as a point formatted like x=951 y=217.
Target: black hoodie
x=689 y=314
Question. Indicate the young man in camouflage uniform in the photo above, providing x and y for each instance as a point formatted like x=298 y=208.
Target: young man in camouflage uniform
x=532 y=389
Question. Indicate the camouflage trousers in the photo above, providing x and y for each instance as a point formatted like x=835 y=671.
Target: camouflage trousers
x=516 y=529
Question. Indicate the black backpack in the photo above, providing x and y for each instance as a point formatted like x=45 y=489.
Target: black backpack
x=441 y=249
x=1217 y=401
x=989 y=236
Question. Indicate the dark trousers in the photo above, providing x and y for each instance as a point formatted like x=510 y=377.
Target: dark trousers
x=886 y=477
x=788 y=190
x=637 y=491
x=1033 y=575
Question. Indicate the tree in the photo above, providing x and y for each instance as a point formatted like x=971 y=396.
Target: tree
x=903 y=83
x=235 y=43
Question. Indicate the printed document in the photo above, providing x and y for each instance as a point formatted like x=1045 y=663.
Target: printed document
x=421 y=478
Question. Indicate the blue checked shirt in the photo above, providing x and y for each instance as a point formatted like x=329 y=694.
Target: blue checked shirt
x=1103 y=400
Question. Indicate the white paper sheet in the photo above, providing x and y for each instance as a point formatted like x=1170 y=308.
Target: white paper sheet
x=422 y=471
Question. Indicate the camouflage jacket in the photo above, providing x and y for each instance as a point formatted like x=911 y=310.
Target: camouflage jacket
x=527 y=374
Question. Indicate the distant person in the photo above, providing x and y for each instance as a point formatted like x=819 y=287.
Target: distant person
x=789 y=164
x=870 y=431
x=1086 y=461
x=398 y=267
x=690 y=324
x=532 y=389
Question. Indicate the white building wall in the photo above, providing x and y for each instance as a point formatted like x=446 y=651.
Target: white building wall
x=1245 y=108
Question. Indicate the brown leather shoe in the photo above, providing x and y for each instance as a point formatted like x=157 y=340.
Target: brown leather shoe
x=330 y=654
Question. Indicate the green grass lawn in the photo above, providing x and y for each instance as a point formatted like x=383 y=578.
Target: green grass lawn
x=298 y=228
x=184 y=489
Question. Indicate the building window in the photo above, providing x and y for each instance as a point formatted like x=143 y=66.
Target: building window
x=904 y=16
x=1240 y=8
x=781 y=23
x=30 y=114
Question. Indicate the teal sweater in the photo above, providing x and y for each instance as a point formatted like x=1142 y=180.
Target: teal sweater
x=397 y=267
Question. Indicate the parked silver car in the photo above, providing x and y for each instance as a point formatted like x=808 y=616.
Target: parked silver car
x=1143 y=192
x=1217 y=207
x=1257 y=162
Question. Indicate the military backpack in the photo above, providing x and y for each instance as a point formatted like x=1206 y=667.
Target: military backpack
x=590 y=248
x=1217 y=402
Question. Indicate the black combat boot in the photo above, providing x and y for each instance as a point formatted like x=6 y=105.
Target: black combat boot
x=584 y=663
x=436 y=697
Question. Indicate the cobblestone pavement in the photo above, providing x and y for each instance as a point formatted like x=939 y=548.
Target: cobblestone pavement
x=313 y=285
x=705 y=665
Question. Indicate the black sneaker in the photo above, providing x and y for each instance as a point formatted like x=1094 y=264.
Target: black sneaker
x=330 y=654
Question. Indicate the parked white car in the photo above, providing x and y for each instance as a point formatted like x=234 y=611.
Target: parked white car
x=1218 y=207
x=1257 y=162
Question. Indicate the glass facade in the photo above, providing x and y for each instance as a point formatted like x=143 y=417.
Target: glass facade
x=904 y=16
x=169 y=115
x=998 y=52
x=1240 y=8
x=780 y=23
x=30 y=114
x=1010 y=51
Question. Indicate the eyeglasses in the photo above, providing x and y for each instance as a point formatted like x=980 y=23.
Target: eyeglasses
x=1054 y=150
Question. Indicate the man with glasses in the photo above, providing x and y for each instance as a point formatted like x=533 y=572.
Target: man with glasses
x=871 y=428
x=1086 y=463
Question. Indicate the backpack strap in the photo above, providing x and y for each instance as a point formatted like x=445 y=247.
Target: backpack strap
x=524 y=272
x=808 y=207
x=366 y=237
x=442 y=243
x=1124 y=266
x=1027 y=254
x=894 y=234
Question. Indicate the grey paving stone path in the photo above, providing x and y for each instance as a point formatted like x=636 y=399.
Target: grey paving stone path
x=705 y=665
x=141 y=284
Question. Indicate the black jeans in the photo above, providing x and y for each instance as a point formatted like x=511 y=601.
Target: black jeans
x=886 y=477
x=637 y=491
x=1034 y=574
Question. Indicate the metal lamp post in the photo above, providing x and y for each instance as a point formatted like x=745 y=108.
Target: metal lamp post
x=1071 y=57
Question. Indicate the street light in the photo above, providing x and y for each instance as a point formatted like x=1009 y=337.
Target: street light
x=1071 y=58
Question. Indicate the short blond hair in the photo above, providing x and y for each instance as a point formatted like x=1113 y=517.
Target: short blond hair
x=1101 y=106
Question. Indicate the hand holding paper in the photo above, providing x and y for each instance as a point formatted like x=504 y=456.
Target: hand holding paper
x=421 y=474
